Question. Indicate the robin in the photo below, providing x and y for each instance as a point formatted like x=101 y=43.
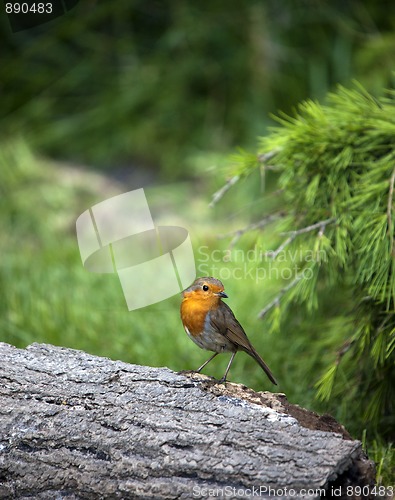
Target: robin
x=211 y=324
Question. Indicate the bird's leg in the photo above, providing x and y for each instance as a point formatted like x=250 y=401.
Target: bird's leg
x=223 y=379
x=206 y=362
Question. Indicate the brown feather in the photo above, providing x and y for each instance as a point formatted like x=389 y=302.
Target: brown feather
x=223 y=319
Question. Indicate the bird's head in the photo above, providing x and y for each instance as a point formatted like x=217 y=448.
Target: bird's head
x=205 y=289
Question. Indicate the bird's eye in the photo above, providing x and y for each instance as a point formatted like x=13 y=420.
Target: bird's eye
x=205 y=288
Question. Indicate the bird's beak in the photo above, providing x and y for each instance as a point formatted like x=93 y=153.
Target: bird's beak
x=222 y=294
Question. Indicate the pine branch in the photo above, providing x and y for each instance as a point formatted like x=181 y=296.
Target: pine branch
x=343 y=350
x=321 y=224
x=251 y=227
x=293 y=234
x=273 y=254
x=218 y=195
x=263 y=167
x=265 y=157
x=389 y=211
x=283 y=291
x=262 y=159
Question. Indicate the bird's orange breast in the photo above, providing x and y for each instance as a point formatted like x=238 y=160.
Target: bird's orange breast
x=193 y=315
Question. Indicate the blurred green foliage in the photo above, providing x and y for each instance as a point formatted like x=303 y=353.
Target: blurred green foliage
x=155 y=82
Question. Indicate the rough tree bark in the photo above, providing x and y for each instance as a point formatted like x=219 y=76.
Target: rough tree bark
x=78 y=426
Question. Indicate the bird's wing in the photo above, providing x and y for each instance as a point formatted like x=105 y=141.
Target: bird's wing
x=224 y=321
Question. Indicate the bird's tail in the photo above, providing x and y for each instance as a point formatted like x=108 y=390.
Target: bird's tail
x=262 y=364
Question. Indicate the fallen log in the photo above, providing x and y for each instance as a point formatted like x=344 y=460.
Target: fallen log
x=78 y=426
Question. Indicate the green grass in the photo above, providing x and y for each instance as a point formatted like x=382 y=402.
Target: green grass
x=47 y=295
x=383 y=455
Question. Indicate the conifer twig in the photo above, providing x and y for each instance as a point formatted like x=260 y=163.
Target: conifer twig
x=251 y=227
x=321 y=224
x=283 y=291
x=273 y=254
x=265 y=157
x=389 y=211
x=221 y=192
x=293 y=234
x=262 y=158
x=343 y=350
